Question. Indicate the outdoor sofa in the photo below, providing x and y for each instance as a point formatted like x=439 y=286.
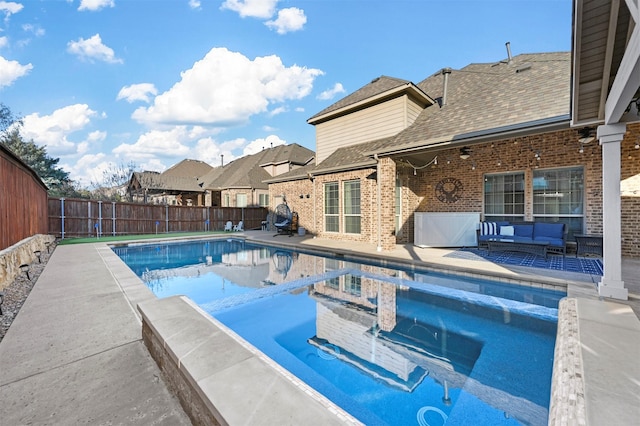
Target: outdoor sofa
x=515 y=233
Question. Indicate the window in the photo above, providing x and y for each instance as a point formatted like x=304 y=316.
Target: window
x=331 y=207
x=558 y=196
x=226 y=201
x=263 y=200
x=241 y=200
x=504 y=196
x=352 y=207
x=352 y=283
x=332 y=265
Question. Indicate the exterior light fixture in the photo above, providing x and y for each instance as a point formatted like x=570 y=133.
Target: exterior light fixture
x=465 y=152
x=637 y=145
x=25 y=268
x=586 y=135
x=473 y=165
x=1 y=301
x=38 y=254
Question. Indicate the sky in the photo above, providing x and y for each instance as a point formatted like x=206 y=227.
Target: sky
x=106 y=83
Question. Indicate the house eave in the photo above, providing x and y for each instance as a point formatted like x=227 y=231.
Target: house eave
x=514 y=130
x=408 y=87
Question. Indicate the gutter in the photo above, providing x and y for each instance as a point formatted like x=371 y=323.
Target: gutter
x=513 y=130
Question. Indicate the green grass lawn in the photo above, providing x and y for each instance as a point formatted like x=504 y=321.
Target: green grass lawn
x=108 y=239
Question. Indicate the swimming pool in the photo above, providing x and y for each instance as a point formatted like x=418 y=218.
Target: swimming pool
x=389 y=346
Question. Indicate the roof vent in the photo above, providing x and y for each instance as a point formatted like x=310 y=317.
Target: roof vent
x=445 y=84
x=375 y=79
x=510 y=58
x=523 y=67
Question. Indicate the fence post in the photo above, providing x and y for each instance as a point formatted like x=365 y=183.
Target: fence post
x=166 y=217
x=62 y=216
x=100 y=216
x=113 y=218
x=89 y=221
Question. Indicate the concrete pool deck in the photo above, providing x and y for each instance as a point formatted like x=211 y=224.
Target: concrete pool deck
x=75 y=353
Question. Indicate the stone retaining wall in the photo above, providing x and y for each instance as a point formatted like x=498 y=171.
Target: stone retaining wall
x=19 y=254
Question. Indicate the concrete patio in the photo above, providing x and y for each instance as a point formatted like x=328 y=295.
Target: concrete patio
x=75 y=353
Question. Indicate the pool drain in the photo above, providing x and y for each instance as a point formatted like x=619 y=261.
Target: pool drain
x=424 y=410
x=329 y=352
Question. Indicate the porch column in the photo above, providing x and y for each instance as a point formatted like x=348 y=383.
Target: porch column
x=386 y=186
x=611 y=284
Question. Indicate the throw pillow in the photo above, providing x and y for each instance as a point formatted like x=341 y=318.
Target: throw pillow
x=507 y=231
x=488 y=228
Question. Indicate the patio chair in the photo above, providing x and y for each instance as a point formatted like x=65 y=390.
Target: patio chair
x=228 y=227
x=239 y=226
x=283 y=219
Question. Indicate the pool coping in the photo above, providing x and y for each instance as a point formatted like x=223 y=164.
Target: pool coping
x=576 y=398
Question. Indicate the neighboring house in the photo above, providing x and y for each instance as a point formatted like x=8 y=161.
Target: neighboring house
x=237 y=184
x=157 y=188
x=241 y=182
x=494 y=140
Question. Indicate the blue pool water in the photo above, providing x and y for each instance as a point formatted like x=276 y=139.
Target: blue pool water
x=389 y=346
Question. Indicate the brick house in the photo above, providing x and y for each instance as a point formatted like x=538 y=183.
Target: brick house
x=494 y=139
x=239 y=183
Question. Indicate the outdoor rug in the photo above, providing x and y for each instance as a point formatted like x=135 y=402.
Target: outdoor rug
x=569 y=263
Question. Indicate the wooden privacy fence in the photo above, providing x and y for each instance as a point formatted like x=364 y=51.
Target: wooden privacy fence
x=83 y=218
x=23 y=200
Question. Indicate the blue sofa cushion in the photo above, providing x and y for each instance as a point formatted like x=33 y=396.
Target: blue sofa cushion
x=548 y=230
x=523 y=231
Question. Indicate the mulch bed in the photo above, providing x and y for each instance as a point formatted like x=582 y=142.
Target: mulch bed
x=17 y=292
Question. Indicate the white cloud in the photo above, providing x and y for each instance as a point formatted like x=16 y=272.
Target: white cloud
x=331 y=93
x=252 y=8
x=10 y=71
x=278 y=110
x=226 y=88
x=87 y=169
x=137 y=92
x=258 y=145
x=9 y=8
x=35 y=29
x=156 y=143
x=268 y=129
x=53 y=130
x=95 y=5
x=92 y=49
x=288 y=20
x=3 y=42
x=194 y=4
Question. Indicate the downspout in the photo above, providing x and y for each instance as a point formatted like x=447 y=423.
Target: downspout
x=379 y=194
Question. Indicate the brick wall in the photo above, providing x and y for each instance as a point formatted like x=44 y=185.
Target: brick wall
x=630 y=176
x=304 y=206
x=556 y=150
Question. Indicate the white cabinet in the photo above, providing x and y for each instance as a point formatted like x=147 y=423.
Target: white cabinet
x=445 y=229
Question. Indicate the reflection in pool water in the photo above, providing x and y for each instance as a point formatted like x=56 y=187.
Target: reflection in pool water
x=387 y=345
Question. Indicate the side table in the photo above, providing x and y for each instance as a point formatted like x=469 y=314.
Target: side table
x=588 y=244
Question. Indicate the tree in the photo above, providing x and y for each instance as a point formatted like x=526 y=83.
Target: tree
x=56 y=179
x=114 y=181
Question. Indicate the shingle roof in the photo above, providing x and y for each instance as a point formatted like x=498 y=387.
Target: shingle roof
x=480 y=97
x=533 y=87
x=248 y=171
x=159 y=181
x=188 y=168
x=375 y=87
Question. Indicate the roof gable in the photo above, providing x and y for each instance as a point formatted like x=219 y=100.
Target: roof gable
x=188 y=168
x=378 y=89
